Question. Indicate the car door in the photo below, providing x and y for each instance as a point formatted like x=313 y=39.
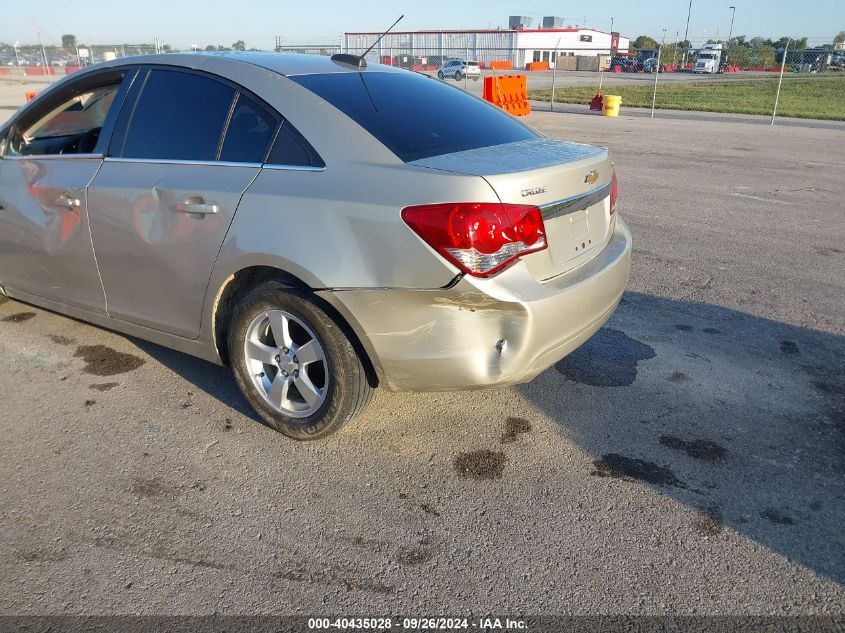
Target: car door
x=52 y=152
x=186 y=147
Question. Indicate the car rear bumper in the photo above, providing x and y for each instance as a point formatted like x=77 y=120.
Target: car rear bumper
x=485 y=332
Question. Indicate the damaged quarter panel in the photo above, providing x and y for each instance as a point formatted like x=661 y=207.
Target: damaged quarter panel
x=334 y=230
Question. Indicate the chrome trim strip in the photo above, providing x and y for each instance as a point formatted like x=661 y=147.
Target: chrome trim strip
x=575 y=203
x=53 y=157
x=221 y=163
x=293 y=168
x=159 y=161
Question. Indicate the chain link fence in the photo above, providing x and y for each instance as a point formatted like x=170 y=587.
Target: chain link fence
x=808 y=83
x=739 y=78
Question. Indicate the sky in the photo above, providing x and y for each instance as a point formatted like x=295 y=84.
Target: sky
x=183 y=23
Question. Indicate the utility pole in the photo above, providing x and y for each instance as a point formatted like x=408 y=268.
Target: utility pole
x=686 y=33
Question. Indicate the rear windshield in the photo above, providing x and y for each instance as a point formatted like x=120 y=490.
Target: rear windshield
x=416 y=116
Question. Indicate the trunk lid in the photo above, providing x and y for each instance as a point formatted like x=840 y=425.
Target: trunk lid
x=570 y=182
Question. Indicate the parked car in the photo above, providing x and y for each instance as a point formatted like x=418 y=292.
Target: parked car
x=625 y=64
x=649 y=65
x=457 y=69
x=320 y=227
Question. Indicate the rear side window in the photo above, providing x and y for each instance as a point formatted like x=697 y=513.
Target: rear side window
x=179 y=116
x=416 y=116
x=250 y=132
x=292 y=150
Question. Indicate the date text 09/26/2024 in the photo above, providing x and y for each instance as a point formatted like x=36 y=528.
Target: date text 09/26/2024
x=418 y=624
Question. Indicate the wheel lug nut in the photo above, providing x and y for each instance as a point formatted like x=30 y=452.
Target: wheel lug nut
x=278 y=358
x=295 y=359
x=296 y=373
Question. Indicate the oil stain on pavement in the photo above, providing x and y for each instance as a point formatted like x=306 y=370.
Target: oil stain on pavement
x=59 y=339
x=608 y=359
x=410 y=555
x=104 y=361
x=773 y=515
x=630 y=469
x=514 y=427
x=104 y=386
x=705 y=450
x=330 y=574
x=19 y=317
x=481 y=464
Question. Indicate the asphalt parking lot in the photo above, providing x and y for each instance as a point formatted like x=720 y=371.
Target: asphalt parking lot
x=688 y=459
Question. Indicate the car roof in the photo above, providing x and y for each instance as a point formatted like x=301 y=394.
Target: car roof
x=287 y=64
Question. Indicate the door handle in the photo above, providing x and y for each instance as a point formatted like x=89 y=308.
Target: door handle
x=197 y=207
x=67 y=200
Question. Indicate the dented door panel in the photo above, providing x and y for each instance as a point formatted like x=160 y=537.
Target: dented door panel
x=45 y=244
x=157 y=229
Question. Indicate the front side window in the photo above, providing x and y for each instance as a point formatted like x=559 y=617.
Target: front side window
x=415 y=116
x=178 y=116
x=73 y=127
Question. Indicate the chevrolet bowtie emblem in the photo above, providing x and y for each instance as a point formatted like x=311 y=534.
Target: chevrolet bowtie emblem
x=591 y=177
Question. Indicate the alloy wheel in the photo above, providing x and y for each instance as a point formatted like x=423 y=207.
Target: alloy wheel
x=287 y=363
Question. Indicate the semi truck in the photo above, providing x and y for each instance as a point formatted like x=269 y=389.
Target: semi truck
x=709 y=59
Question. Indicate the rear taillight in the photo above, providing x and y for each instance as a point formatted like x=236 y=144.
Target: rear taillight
x=614 y=190
x=480 y=238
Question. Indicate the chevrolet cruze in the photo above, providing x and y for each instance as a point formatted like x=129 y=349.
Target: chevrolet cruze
x=323 y=227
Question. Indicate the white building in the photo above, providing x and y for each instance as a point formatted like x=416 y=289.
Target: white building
x=517 y=46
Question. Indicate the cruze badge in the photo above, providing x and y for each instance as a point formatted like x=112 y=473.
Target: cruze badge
x=533 y=191
x=591 y=177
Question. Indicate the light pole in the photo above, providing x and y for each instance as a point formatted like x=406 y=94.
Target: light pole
x=675 y=47
x=686 y=33
x=18 y=62
x=730 y=33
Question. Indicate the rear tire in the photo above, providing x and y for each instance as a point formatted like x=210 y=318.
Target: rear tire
x=305 y=398
x=458 y=75
x=440 y=75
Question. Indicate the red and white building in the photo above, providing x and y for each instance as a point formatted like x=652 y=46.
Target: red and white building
x=518 y=46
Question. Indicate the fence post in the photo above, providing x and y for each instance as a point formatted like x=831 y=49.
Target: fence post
x=554 y=74
x=656 y=73
x=780 y=81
